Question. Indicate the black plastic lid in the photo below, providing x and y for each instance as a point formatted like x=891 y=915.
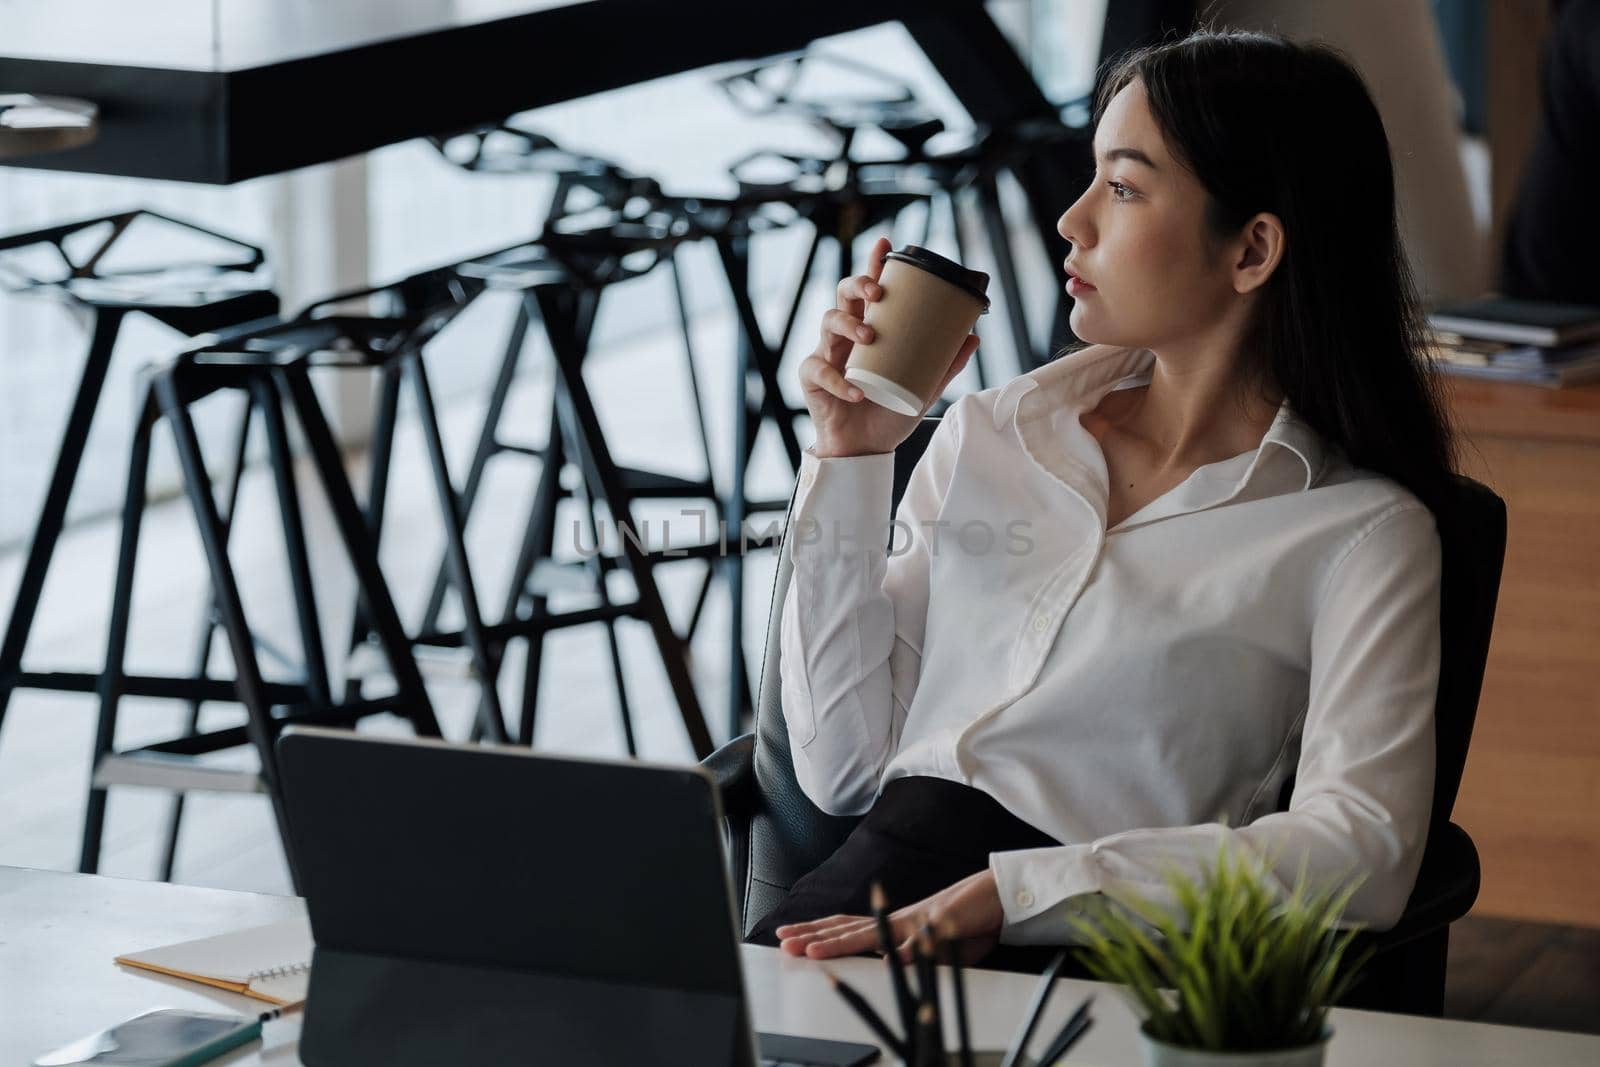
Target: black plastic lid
x=975 y=282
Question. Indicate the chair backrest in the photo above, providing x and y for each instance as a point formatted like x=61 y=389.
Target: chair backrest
x=789 y=836
x=1472 y=534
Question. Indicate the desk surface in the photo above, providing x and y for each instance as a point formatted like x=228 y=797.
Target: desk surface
x=59 y=932
x=1527 y=412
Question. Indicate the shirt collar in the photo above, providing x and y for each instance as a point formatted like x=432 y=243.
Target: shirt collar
x=1082 y=377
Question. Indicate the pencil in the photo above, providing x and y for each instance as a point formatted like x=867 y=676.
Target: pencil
x=897 y=972
x=870 y=1017
x=280 y=1011
x=930 y=1042
x=927 y=968
x=1070 y=1033
x=1041 y=996
x=954 y=945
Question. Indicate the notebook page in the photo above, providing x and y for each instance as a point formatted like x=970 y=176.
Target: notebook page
x=282 y=989
x=270 y=961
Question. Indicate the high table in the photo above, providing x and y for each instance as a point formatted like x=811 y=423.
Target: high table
x=59 y=932
x=218 y=91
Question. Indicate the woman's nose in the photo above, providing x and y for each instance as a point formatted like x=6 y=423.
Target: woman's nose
x=1073 y=226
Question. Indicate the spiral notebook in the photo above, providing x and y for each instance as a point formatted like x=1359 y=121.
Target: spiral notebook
x=271 y=963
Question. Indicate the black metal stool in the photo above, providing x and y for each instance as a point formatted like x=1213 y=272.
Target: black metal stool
x=588 y=195
x=412 y=311
x=76 y=263
x=271 y=363
x=562 y=277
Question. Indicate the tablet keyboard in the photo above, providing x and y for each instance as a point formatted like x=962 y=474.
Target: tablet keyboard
x=783 y=1050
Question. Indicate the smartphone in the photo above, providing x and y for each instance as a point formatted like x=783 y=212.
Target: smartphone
x=164 y=1038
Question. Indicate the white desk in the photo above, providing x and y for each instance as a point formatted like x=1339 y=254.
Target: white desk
x=58 y=933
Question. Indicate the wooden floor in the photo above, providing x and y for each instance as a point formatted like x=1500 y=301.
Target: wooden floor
x=1524 y=974
x=1520 y=973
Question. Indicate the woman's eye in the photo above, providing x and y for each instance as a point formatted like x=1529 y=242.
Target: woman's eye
x=1120 y=191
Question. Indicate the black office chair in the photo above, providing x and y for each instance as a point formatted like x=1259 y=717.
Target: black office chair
x=776 y=835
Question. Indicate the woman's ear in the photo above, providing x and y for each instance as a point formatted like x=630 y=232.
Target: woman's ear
x=1260 y=249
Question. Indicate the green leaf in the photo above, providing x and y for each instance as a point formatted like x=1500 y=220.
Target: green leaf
x=1232 y=964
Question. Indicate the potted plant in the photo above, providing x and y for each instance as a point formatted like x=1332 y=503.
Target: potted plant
x=1234 y=973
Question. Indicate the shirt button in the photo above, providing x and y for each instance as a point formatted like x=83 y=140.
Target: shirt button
x=1041 y=623
x=1025 y=899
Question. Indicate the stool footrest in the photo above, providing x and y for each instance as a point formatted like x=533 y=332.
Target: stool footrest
x=169 y=688
x=646 y=483
x=160 y=770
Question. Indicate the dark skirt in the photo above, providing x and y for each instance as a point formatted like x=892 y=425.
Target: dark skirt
x=923 y=834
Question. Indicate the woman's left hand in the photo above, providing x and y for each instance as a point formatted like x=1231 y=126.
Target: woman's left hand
x=968 y=911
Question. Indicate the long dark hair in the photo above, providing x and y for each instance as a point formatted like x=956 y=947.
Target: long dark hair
x=1267 y=124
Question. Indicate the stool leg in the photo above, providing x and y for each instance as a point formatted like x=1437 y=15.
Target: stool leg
x=112 y=674
x=538 y=538
x=588 y=311
x=732 y=560
x=927 y=226
x=484 y=658
x=705 y=588
x=412 y=696
x=1000 y=243
x=378 y=457
x=596 y=565
x=802 y=283
x=559 y=311
x=259 y=725
x=487 y=446
x=208 y=630
x=69 y=455
x=961 y=254
x=686 y=327
x=294 y=543
x=735 y=254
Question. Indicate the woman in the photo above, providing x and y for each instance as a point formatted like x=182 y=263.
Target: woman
x=1136 y=591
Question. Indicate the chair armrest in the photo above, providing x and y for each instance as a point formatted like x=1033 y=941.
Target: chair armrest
x=734 y=768
x=1447 y=886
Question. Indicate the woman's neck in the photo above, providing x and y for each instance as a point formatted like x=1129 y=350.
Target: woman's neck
x=1194 y=411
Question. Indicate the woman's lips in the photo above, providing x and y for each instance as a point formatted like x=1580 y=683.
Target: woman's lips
x=1077 y=286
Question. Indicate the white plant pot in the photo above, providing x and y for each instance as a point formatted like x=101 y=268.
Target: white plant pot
x=1161 y=1054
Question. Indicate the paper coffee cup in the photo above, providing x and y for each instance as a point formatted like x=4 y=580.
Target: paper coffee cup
x=928 y=307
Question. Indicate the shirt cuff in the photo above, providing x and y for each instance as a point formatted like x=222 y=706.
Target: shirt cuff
x=841 y=504
x=1041 y=889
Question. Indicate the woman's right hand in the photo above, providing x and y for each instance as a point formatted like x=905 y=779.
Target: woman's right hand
x=846 y=422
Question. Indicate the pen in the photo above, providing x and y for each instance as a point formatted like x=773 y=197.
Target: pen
x=1075 y=1027
x=897 y=973
x=952 y=943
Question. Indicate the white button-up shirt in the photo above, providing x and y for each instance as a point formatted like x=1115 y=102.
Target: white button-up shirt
x=1142 y=693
